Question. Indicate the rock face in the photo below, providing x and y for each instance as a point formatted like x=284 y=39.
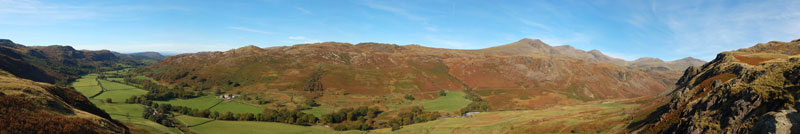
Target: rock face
x=35 y=107
x=750 y=90
x=524 y=74
x=54 y=64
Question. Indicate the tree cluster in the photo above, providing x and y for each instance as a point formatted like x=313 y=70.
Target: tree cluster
x=268 y=115
x=361 y=118
x=159 y=92
x=415 y=115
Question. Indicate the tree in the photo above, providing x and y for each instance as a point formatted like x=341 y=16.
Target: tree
x=311 y=103
x=409 y=97
x=395 y=126
x=442 y=93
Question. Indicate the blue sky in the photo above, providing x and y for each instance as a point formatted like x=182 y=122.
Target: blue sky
x=626 y=29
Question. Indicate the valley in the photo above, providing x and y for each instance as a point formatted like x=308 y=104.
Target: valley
x=522 y=87
x=407 y=103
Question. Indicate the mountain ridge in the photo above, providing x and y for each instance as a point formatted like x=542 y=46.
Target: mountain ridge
x=377 y=69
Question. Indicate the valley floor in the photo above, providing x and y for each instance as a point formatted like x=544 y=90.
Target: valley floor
x=608 y=117
x=594 y=118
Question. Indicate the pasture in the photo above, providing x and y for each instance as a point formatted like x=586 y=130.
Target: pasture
x=255 y=127
x=205 y=102
x=599 y=118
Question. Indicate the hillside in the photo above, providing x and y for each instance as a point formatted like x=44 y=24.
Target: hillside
x=35 y=107
x=148 y=55
x=666 y=71
x=527 y=74
x=58 y=64
x=750 y=90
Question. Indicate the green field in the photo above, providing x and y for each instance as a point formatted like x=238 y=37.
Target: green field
x=204 y=102
x=132 y=113
x=453 y=101
x=87 y=85
x=319 y=111
x=119 y=92
x=254 y=127
x=127 y=113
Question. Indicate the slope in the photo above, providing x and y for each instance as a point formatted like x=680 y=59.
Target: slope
x=747 y=90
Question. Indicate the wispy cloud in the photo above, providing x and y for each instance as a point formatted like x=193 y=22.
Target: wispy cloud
x=432 y=29
x=35 y=12
x=303 y=10
x=249 y=30
x=302 y=39
x=394 y=10
x=297 y=37
x=721 y=26
x=439 y=40
x=534 y=24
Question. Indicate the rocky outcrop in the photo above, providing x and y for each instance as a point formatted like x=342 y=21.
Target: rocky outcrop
x=750 y=90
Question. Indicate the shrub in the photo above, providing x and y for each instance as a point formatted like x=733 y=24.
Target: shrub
x=409 y=97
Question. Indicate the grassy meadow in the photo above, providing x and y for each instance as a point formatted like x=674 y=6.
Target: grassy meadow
x=452 y=102
x=205 y=102
x=601 y=118
x=251 y=127
x=130 y=114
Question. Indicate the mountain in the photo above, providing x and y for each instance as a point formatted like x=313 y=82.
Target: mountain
x=148 y=55
x=666 y=71
x=537 y=47
x=749 y=90
x=35 y=107
x=58 y=64
x=527 y=74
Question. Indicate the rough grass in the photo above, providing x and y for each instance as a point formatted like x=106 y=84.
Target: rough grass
x=751 y=60
x=454 y=101
x=205 y=102
x=252 y=127
x=604 y=118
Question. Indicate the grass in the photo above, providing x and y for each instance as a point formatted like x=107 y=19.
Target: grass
x=319 y=111
x=119 y=92
x=249 y=127
x=603 y=118
x=127 y=113
x=453 y=101
x=87 y=85
x=132 y=114
x=205 y=102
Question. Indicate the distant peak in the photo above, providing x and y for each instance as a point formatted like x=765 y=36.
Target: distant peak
x=530 y=41
x=648 y=59
x=689 y=59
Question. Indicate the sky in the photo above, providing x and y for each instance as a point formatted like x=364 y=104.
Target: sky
x=627 y=29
